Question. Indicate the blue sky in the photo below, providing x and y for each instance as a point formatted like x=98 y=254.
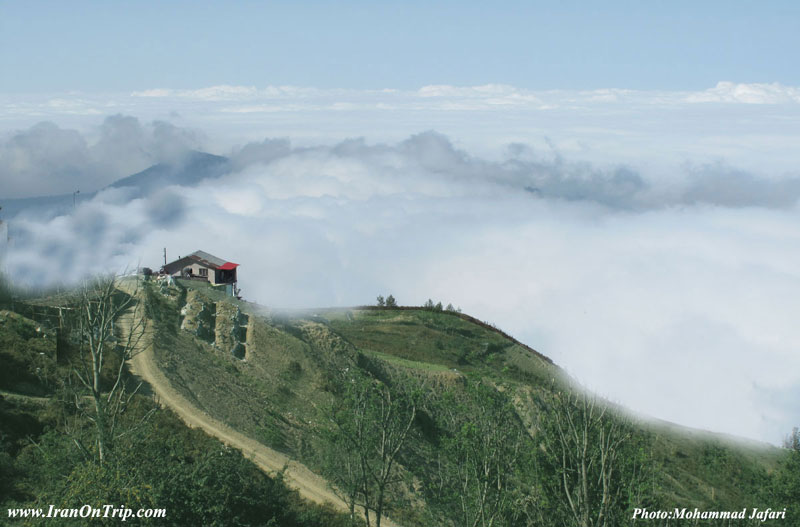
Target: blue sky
x=109 y=46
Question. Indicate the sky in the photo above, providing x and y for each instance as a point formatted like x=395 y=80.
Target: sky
x=112 y=46
x=616 y=187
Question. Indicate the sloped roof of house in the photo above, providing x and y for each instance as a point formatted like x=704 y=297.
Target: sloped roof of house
x=203 y=258
x=207 y=259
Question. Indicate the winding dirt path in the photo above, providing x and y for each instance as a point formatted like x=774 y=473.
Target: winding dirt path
x=296 y=475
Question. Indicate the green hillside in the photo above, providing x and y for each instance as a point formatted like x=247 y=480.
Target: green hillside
x=48 y=455
x=297 y=376
x=429 y=416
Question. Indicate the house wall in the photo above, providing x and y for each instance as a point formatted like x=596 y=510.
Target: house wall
x=213 y=276
x=195 y=267
x=219 y=276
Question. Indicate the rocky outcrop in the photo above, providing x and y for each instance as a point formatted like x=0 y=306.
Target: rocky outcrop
x=221 y=324
x=199 y=316
x=231 y=329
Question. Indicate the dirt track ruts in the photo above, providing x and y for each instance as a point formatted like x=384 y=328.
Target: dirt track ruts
x=296 y=475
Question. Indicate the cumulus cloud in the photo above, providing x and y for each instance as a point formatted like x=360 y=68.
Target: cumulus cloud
x=262 y=152
x=603 y=126
x=212 y=93
x=727 y=186
x=645 y=240
x=45 y=154
x=486 y=95
x=756 y=93
x=46 y=159
x=660 y=294
x=225 y=92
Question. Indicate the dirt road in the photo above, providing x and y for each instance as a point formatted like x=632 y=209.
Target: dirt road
x=310 y=485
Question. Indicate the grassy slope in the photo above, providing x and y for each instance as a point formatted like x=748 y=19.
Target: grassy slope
x=699 y=468
x=39 y=464
x=279 y=395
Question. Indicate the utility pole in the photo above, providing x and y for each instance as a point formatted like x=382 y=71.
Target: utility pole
x=74 y=194
x=165 y=256
x=5 y=239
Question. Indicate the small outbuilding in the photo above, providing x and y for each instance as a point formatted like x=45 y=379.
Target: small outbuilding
x=201 y=265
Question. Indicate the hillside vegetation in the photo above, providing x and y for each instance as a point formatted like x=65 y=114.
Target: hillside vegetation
x=487 y=414
x=423 y=415
x=48 y=452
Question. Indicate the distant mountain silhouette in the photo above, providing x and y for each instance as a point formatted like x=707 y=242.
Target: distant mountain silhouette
x=189 y=171
x=42 y=206
x=193 y=169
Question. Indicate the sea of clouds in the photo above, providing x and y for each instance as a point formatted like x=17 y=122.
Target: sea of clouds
x=646 y=242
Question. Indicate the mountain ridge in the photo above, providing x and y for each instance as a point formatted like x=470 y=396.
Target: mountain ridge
x=188 y=170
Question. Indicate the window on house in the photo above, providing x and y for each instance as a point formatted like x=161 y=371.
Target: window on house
x=203 y=271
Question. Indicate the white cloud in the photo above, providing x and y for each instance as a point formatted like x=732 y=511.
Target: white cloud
x=675 y=299
x=213 y=93
x=729 y=92
x=487 y=90
x=46 y=160
x=659 y=129
x=225 y=92
x=156 y=92
x=644 y=240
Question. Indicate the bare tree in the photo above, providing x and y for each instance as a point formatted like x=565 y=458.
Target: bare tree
x=343 y=467
x=585 y=443
x=484 y=451
x=792 y=441
x=110 y=324
x=371 y=428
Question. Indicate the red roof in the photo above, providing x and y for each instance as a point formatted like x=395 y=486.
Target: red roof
x=227 y=266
